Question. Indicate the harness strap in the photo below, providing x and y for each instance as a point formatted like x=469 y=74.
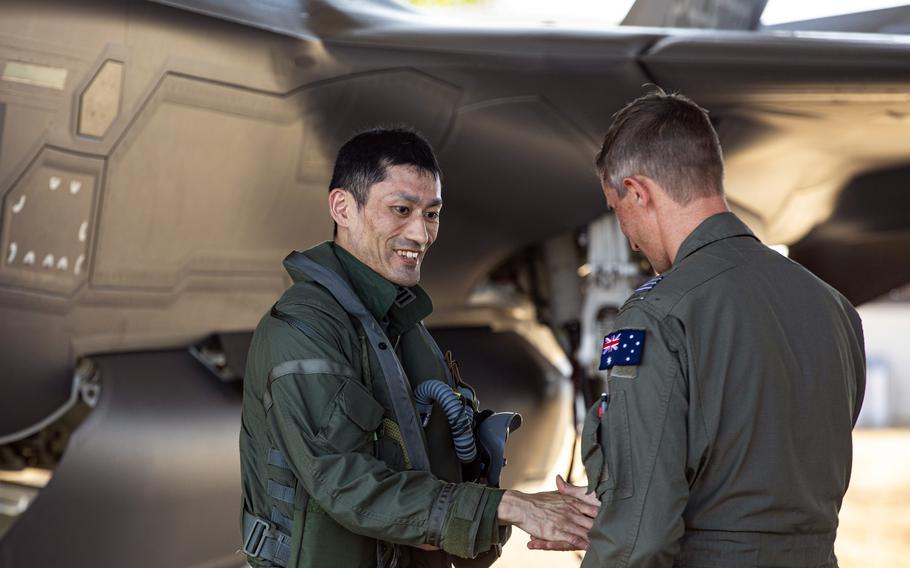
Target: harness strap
x=438 y=352
x=396 y=381
x=276 y=458
x=285 y=523
x=281 y=492
x=260 y=540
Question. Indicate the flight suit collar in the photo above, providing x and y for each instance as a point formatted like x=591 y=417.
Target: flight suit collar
x=397 y=307
x=323 y=254
x=715 y=228
x=377 y=294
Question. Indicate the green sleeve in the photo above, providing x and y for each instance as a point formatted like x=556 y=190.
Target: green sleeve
x=642 y=436
x=490 y=534
x=324 y=420
x=472 y=526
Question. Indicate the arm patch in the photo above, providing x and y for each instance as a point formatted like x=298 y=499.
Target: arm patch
x=624 y=347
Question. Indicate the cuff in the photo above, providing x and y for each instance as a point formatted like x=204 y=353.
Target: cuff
x=471 y=525
x=491 y=533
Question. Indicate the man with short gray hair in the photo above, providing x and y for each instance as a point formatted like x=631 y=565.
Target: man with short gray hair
x=735 y=375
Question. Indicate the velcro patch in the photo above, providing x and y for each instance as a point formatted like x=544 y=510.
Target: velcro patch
x=624 y=372
x=623 y=347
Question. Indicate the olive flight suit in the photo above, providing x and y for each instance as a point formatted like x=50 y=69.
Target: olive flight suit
x=323 y=463
x=735 y=380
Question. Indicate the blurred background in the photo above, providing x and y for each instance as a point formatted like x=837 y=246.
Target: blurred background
x=158 y=159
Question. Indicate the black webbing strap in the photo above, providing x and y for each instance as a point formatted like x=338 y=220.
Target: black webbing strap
x=260 y=540
x=399 y=390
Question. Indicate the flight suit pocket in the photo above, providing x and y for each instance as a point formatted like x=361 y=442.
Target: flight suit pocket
x=592 y=450
x=607 y=451
x=617 y=443
x=354 y=418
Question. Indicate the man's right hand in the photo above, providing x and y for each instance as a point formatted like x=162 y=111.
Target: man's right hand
x=553 y=516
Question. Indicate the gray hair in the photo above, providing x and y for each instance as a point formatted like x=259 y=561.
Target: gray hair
x=668 y=138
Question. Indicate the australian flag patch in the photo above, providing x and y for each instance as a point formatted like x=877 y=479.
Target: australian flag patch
x=623 y=347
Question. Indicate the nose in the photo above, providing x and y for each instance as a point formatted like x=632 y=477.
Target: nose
x=417 y=231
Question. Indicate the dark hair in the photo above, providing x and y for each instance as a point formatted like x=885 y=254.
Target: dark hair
x=668 y=138
x=363 y=160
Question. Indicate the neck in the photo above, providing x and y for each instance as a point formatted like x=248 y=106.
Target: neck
x=677 y=223
x=341 y=239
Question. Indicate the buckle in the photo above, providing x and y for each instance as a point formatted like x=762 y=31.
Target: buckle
x=404 y=297
x=252 y=545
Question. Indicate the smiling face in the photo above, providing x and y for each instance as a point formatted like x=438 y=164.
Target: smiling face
x=393 y=230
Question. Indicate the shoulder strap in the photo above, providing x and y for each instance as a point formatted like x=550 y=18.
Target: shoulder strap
x=392 y=372
x=437 y=352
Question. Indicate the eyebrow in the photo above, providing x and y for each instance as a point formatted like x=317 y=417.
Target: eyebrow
x=411 y=198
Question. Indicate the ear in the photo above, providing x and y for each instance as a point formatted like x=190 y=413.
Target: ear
x=341 y=204
x=641 y=188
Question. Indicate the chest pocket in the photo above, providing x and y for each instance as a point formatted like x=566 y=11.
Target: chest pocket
x=353 y=419
x=607 y=451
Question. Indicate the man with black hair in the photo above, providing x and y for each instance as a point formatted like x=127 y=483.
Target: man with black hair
x=735 y=375
x=337 y=470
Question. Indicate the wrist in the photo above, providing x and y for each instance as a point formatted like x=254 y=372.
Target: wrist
x=509 y=511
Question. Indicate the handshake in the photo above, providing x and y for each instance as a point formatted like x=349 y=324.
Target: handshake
x=556 y=520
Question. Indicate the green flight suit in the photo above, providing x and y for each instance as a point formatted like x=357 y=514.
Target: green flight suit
x=321 y=456
x=729 y=444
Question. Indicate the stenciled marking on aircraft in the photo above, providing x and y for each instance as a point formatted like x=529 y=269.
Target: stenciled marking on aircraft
x=83 y=231
x=54 y=183
x=77 y=268
x=19 y=205
x=48 y=261
x=35 y=75
x=75 y=186
x=63 y=263
x=29 y=258
x=13 y=249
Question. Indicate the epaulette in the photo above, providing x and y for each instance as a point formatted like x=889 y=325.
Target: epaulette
x=642 y=291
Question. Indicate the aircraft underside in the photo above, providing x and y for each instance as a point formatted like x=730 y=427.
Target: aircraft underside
x=157 y=163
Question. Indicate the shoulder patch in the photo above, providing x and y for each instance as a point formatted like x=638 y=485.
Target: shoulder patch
x=649 y=284
x=642 y=291
x=623 y=347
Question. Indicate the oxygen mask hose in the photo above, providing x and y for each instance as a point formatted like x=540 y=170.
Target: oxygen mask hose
x=459 y=411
